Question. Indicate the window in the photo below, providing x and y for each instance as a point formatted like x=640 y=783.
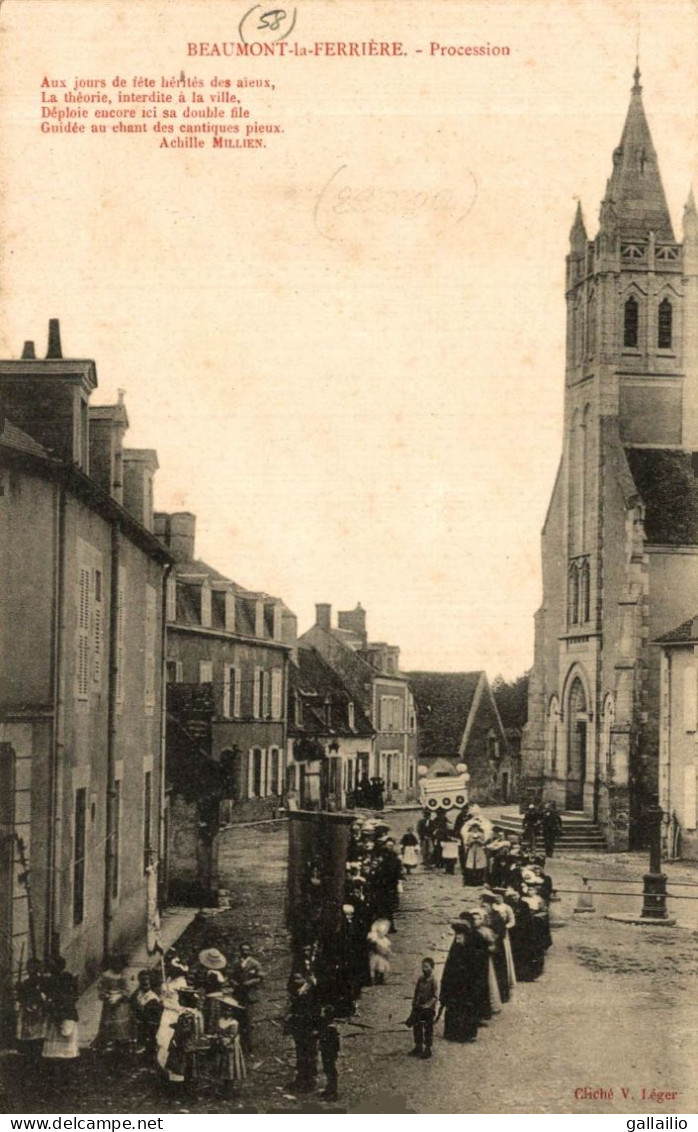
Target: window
x=83 y=634
x=205 y=606
x=256 y=777
x=120 y=635
x=690 y=700
x=350 y=715
x=147 y=816
x=591 y=325
x=171 y=598
x=231 y=691
x=631 y=323
x=266 y=698
x=274 y=771
x=116 y=840
x=79 y=856
x=391 y=713
x=276 y=693
x=174 y=671
x=257 y=694
x=578 y=603
x=664 y=325
x=205 y=671
x=584 y=591
x=150 y=628
x=97 y=628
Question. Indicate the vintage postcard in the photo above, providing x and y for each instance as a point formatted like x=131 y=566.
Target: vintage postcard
x=348 y=557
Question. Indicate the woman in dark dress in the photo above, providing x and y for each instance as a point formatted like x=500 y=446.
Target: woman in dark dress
x=497 y=924
x=457 y=996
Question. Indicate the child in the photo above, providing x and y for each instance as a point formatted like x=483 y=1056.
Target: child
x=146 y=1009
x=421 y=1019
x=229 y=1062
x=182 y=1064
x=328 y=1041
x=410 y=850
x=379 y=947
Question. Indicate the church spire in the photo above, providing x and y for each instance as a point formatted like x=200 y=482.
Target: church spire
x=635 y=195
x=578 y=233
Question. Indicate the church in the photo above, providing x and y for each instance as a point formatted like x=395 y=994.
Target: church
x=620 y=539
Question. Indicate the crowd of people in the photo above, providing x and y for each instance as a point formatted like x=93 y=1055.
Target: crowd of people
x=197 y=1018
x=187 y=1019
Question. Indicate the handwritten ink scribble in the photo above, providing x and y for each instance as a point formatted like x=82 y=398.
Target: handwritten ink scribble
x=269 y=20
x=348 y=203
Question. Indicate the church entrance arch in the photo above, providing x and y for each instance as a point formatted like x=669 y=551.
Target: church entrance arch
x=577 y=724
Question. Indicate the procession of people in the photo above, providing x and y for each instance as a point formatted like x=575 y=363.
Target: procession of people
x=192 y=1018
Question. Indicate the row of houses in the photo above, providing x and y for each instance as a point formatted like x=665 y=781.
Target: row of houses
x=146 y=698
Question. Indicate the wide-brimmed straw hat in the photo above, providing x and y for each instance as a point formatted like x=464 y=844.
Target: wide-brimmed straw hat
x=212 y=958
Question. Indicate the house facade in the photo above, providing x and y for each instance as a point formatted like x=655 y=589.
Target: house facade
x=459 y=723
x=678 y=739
x=329 y=735
x=620 y=540
x=371 y=672
x=81 y=652
x=227 y=690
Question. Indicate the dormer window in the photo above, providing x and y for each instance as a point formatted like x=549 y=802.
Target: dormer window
x=631 y=323
x=664 y=325
x=350 y=716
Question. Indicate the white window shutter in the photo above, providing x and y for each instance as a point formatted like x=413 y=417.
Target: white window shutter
x=689 y=796
x=256 y=693
x=237 y=692
x=226 y=690
x=276 y=688
x=690 y=699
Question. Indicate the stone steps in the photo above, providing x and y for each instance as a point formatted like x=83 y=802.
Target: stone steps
x=579 y=833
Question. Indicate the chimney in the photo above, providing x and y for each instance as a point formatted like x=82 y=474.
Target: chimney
x=54 y=339
x=323 y=616
x=139 y=467
x=48 y=398
x=182 y=533
x=355 y=621
x=289 y=632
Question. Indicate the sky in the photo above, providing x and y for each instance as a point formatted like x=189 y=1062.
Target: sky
x=347 y=347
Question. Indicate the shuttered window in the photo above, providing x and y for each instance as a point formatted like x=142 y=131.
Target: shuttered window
x=276 y=694
x=150 y=629
x=120 y=635
x=82 y=667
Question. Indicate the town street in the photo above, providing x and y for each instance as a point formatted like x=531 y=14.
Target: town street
x=613 y=1013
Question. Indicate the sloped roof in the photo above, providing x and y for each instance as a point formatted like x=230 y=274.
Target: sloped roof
x=635 y=191
x=315 y=682
x=13 y=437
x=684 y=633
x=443 y=701
x=198 y=566
x=668 y=488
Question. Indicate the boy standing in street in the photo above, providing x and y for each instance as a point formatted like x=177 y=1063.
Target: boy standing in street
x=421 y=1019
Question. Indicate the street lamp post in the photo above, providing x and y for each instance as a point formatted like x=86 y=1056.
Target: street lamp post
x=654 y=881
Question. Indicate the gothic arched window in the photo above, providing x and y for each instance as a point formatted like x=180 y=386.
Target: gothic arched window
x=631 y=322
x=664 y=325
x=573 y=594
x=591 y=325
x=584 y=591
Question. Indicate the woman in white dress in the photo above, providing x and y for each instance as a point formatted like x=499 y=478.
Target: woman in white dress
x=171 y=1010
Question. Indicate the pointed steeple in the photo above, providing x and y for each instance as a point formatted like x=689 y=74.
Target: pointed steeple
x=578 y=233
x=635 y=196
